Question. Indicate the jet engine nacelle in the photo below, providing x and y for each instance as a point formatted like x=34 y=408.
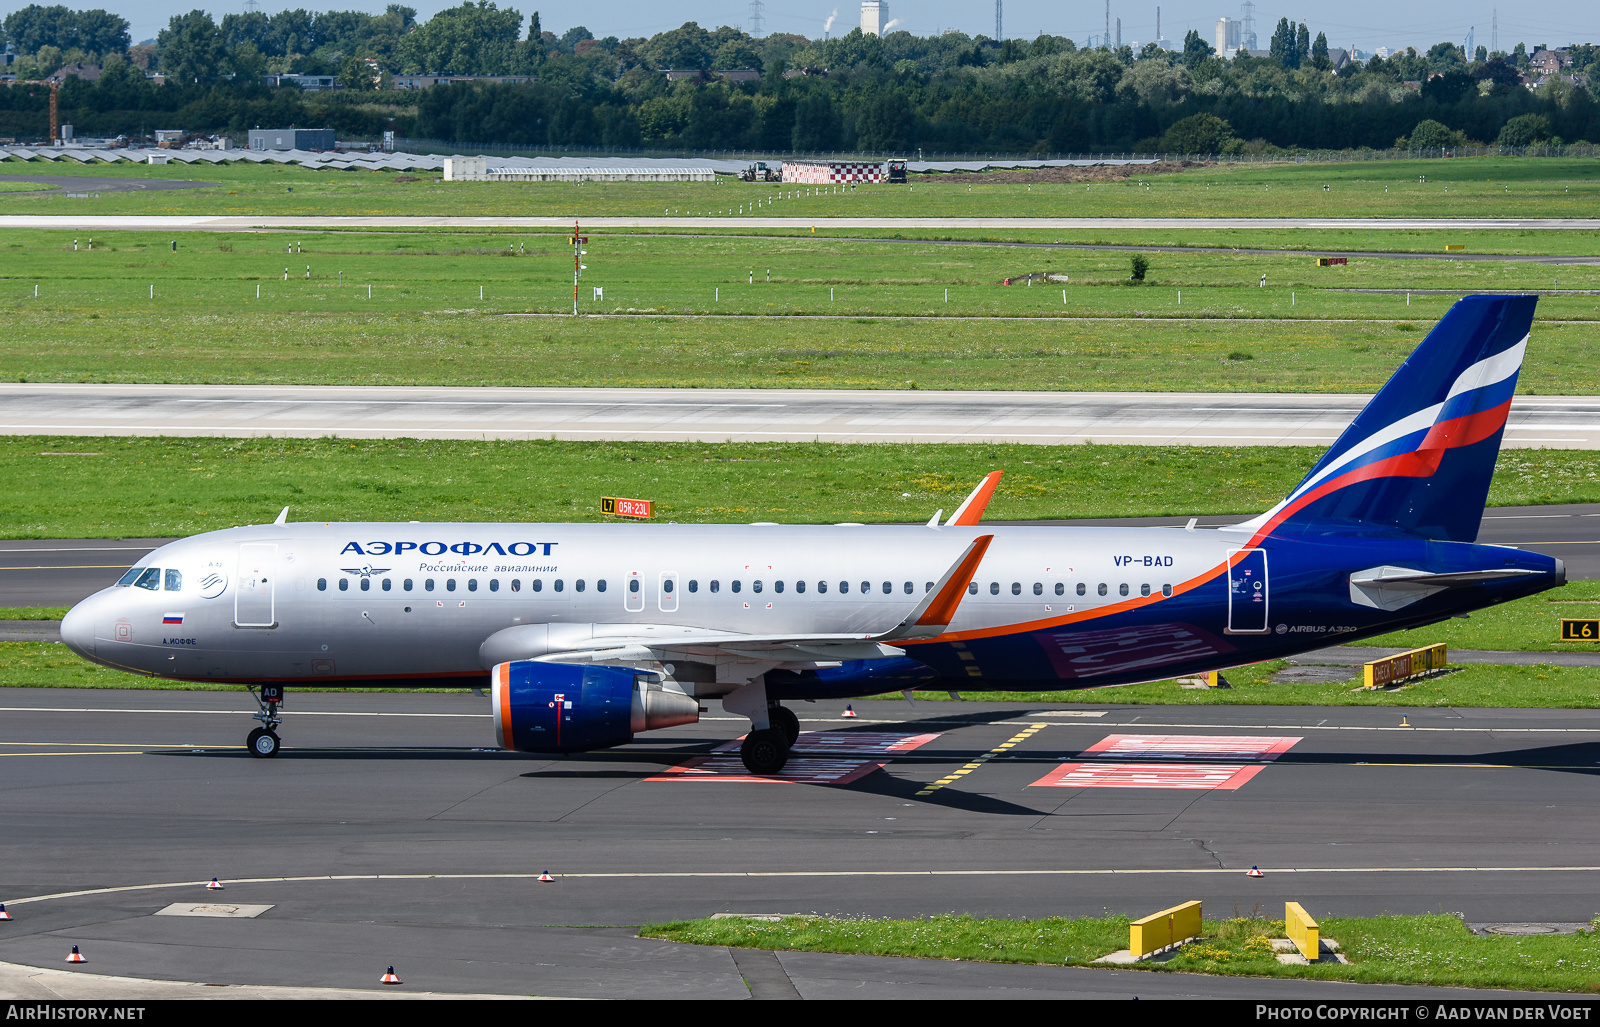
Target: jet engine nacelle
x=566 y=707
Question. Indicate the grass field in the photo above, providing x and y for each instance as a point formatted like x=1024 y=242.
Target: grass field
x=1435 y=949
x=1471 y=187
x=58 y=487
x=133 y=309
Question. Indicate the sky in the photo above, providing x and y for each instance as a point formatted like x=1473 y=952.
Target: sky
x=1366 y=24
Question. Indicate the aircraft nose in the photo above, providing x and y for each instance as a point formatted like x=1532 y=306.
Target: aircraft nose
x=77 y=629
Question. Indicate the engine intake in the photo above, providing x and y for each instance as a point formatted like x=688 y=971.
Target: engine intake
x=566 y=707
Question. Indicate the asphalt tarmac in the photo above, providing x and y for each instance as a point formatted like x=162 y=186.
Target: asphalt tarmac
x=736 y=415
x=388 y=832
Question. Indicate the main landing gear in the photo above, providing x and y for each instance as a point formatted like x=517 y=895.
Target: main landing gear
x=765 y=751
x=263 y=741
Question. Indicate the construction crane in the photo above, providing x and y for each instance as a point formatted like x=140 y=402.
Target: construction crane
x=55 y=119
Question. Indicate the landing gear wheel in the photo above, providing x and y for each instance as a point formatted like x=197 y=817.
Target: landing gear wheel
x=764 y=752
x=783 y=719
x=262 y=743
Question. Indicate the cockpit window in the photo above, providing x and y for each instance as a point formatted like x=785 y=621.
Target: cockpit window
x=174 y=580
x=130 y=577
x=151 y=579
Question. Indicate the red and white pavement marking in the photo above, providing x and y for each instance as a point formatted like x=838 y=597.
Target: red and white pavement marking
x=1206 y=772
x=817 y=757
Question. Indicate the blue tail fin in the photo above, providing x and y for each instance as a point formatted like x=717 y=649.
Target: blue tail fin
x=1420 y=456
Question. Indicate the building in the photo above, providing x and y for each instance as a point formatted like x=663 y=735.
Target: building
x=739 y=75
x=1545 y=61
x=309 y=83
x=291 y=139
x=1228 y=36
x=87 y=72
x=684 y=74
x=429 y=81
x=874 y=16
x=477 y=169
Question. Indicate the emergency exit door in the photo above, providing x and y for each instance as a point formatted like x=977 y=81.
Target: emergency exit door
x=253 y=596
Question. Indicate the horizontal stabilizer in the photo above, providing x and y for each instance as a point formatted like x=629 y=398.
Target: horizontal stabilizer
x=1394 y=588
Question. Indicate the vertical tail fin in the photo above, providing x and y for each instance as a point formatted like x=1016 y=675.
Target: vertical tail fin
x=1420 y=456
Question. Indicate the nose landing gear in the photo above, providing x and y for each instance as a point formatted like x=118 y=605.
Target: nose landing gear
x=263 y=741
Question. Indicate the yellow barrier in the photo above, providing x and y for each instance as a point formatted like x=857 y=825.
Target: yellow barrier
x=1453 y=246
x=1302 y=930
x=1405 y=665
x=1168 y=927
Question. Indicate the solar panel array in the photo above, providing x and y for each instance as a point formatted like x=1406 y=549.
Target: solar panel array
x=434 y=162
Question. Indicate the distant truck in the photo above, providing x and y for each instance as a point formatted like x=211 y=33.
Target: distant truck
x=759 y=172
x=897 y=172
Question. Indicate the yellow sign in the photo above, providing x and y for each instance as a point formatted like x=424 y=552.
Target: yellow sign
x=1159 y=930
x=1450 y=247
x=1302 y=930
x=1580 y=630
x=1404 y=665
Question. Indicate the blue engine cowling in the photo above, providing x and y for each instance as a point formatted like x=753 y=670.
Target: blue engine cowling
x=565 y=707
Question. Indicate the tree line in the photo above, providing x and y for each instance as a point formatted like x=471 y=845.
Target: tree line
x=856 y=92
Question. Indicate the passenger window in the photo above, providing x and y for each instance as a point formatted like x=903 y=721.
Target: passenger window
x=130 y=577
x=449 y=584
x=1144 y=590
x=174 y=580
x=151 y=579
x=472 y=584
x=1061 y=589
x=633 y=585
x=428 y=585
x=994 y=588
x=800 y=586
x=666 y=585
x=600 y=586
x=716 y=586
x=560 y=585
x=538 y=584
x=887 y=588
x=735 y=585
x=366 y=584
x=908 y=588
x=866 y=588
x=822 y=587
x=579 y=585
x=406 y=584
x=1038 y=589
x=1166 y=590
x=694 y=585
x=844 y=587
x=777 y=586
x=1016 y=588
x=344 y=584
x=1082 y=588
x=516 y=584
x=972 y=588
x=322 y=584
x=494 y=584
x=755 y=586
x=1102 y=589
x=388 y=586
x=927 y=586
x=1122 y=589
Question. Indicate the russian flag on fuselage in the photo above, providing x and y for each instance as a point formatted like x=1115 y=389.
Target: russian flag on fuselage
x=1418 y=459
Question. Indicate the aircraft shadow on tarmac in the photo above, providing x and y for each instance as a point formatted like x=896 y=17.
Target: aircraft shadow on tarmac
x=1573 y=758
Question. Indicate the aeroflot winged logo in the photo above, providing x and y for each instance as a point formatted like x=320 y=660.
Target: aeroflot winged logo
x=440 y=548
x=365 y=570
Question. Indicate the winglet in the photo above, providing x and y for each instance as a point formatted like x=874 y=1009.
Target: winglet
x=970 y=512
x=938 y=607
x=933 y=522
x=283 y=516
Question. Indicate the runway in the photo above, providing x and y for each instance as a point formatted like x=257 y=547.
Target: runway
x=60 y=572
x=387 y=833
x=738 y=415
x=201 y=222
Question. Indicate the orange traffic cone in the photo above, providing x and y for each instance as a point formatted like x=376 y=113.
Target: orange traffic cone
x=1254 y=872
x=215 y=885
x=390 y=978
x=546 y=876
x=848 y=712
x=3 y=914
x=75 y=956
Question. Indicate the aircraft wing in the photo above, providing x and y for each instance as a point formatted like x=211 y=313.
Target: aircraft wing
x=926 y=620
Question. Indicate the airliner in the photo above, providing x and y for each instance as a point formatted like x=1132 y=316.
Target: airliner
x=588 y=634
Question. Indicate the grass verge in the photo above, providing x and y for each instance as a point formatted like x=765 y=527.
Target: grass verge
x=33 y=612
x=58 y=486
x=1435 y=949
